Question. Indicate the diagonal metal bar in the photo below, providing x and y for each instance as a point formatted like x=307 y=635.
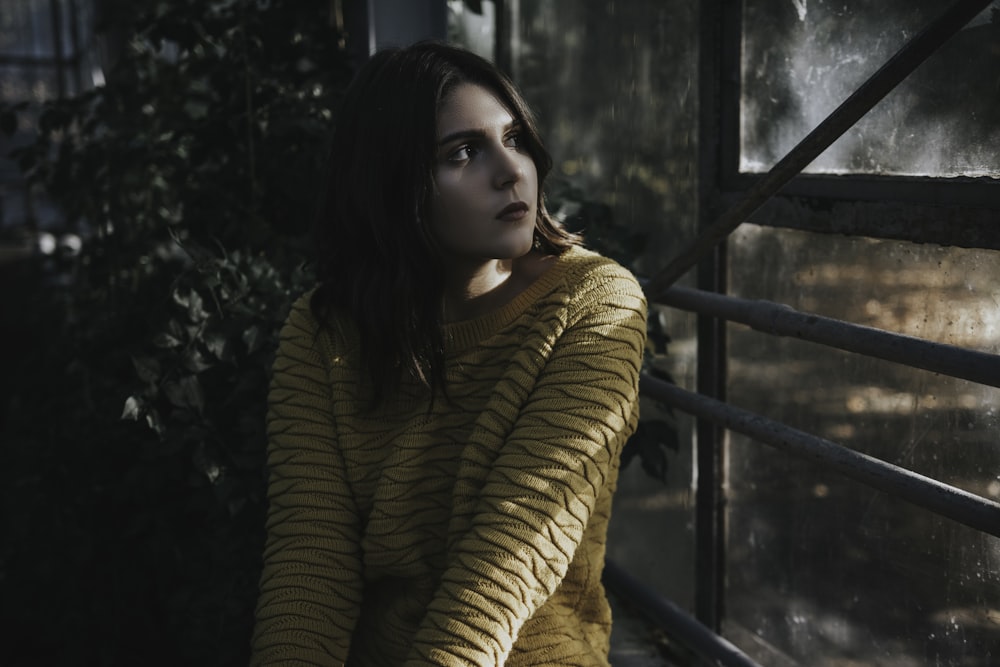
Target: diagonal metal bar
x=948 y=501
x=907 y=59
x=677 y=623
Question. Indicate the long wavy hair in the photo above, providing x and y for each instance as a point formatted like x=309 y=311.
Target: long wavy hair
x=377 y=259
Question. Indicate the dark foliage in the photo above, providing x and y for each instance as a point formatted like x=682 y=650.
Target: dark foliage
x=191 y=176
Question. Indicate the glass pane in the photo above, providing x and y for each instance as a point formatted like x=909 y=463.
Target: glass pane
x=802 y=58
x=27 y=84
x=472 y=23
x=823 y=570
x=26 y=29
x=614 y=88
x=71 y=29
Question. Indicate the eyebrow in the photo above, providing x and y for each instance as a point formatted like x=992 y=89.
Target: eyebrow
x=474 y=134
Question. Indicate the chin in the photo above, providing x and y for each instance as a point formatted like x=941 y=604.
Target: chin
x=522 y=248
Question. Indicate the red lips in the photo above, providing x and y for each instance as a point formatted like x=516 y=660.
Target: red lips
x=513 y=212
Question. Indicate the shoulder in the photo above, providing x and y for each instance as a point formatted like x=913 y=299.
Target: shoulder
x=591 y=276
x=303 y=330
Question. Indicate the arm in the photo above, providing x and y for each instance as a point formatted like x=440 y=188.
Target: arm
x=310 y=587
x=538 y=497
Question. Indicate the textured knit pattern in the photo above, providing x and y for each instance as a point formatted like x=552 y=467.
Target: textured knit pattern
x=470 y=531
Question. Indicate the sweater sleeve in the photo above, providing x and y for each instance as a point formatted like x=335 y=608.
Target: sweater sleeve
x=310 y=587
x=538 y=497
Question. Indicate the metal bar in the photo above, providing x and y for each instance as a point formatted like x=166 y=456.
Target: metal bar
x=74 y=34
x=975 y=193
x=843 y=117
x=370 y=27
x=965 y=222
x=782 y=320
x=502 y=48
x=946 y=500
x=58 y=46
x=709 y=514
x=673 y=620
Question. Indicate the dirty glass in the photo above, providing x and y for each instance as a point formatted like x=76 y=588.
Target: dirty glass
x=473 y=25
x=614 y=87
x=26 y=28
x=802 y=58
x=823 y=570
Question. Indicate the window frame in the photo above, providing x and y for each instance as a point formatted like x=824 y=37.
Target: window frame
x=959 y=211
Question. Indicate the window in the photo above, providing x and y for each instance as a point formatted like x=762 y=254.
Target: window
x=660 y=115
x=820 y=568
x=801 y=59
x=47 y=50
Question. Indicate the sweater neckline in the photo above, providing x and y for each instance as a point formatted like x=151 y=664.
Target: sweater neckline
x=464 y=334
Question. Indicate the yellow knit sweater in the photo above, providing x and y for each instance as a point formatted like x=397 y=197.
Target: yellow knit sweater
x=470 y=532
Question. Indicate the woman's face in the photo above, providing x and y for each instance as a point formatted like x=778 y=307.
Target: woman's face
x=486 y=186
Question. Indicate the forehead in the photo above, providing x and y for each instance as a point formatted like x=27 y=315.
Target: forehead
x=470 y=106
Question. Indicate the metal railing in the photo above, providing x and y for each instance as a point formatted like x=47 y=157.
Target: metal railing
x=701 y=641
x=870 y=93
x=944 y=499
x=781 y=320
x=980 y=513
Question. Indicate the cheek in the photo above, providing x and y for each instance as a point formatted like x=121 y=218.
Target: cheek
x=452 y=201
x=446 y=212
x=440 y=207
x=531 y=176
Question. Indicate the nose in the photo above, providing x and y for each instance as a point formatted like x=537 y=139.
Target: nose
x=510 y=168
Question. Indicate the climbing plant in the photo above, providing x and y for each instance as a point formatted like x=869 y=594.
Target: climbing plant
x=190 y=175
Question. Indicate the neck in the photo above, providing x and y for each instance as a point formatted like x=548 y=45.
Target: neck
x=488 y=286
x=474 y=290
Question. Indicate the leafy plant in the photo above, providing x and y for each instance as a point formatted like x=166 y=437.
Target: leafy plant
x=190 y=175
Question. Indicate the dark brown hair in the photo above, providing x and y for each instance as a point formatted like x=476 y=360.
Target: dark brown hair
x=377 y=260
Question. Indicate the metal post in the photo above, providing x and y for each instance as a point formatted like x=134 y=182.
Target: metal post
x=57 y=44
x=502 y=33
x=711 y=333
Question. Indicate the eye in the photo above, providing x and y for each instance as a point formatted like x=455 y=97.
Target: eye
x=514 y=140
x=463 y=153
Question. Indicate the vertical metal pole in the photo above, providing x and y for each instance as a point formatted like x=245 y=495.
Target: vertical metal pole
x=57 y=45
x=502 y=47
x=370 y=17
x=74 y=35
x=711 y=332
x=710 y=534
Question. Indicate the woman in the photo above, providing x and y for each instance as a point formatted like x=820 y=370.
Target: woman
x=449 y=405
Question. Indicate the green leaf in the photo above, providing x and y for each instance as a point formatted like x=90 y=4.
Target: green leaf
x=207 y=465
x=133 y=408
x=165 y=340
x=154 y=422
x=195 y=361
x=218 y=346
x=147 y=369
x=181 y=297
x=196 y=109
x=191 y=301
x=252 y=338
x=196 y=307
x=186 y=393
